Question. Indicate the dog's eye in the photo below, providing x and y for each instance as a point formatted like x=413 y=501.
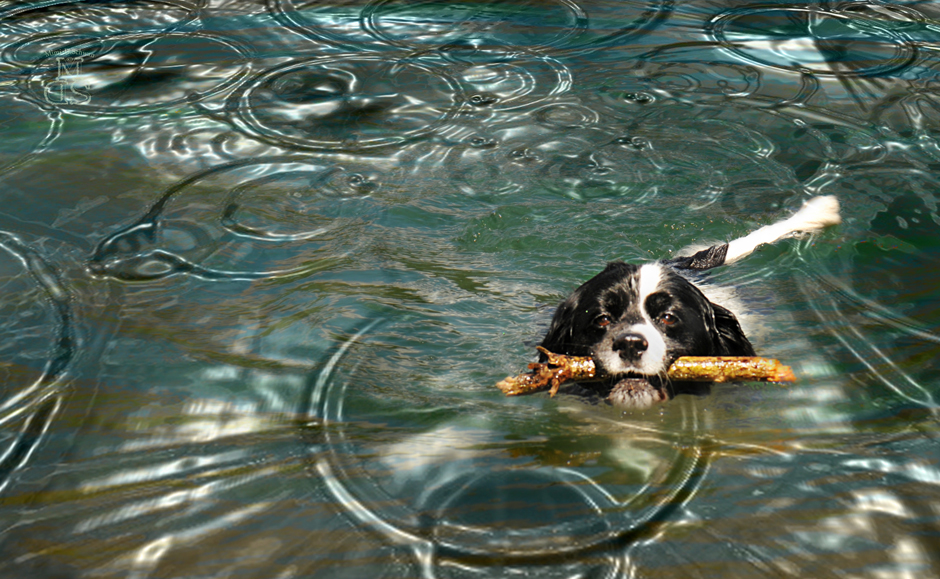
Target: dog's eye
x=602 y=320
x=668 y=319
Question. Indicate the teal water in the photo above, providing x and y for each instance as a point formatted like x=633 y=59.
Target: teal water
x=262 y=264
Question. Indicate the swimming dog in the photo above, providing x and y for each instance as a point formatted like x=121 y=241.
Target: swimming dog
x=636 y=320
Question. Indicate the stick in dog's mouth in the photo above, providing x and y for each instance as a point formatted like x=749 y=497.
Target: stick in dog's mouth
x=560 y=369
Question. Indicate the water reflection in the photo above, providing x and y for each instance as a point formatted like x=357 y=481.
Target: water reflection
x=839 y=43
x=346 y=102
x=39 y=322
x=131 y=73
x=218 y=216
x=559 y=25
x=32 y=31
x=439 y=477
x=263 y=262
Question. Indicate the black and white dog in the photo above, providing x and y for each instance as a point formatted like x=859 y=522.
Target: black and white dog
x=635 y=321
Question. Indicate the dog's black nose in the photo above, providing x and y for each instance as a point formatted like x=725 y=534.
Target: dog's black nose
x=630 y=345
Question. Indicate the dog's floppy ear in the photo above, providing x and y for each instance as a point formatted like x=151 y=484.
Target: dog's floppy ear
x=731 y=340
x=560 y=338
x=561 y=331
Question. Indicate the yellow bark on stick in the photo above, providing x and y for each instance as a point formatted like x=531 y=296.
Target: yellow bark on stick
x=560 y=369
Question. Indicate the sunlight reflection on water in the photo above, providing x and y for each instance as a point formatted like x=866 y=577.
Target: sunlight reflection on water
x=262 y=264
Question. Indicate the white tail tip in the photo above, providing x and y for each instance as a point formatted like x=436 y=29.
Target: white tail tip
x=815 y=214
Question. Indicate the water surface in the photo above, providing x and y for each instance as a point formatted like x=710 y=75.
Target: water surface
x=263 y=262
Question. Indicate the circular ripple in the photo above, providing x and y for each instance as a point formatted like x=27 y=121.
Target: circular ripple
x=566 y=116
x=500 y=78
x=644 y=162
x=867 y=286
x=36 y=30
x=520 y=23
x=345 y=102
x=752 y=148
x=808 y=39
x=21 y=140
x=650 y=82
x=562 y=25
x=402 y=451
x=252 y=219
x=288 y=206
x=38 y=345
x=899 y=18
x=137 y=73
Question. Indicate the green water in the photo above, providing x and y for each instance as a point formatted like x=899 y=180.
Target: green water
x=262 y=265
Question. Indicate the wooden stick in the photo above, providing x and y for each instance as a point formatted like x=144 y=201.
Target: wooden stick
x=729 y=369
x=560 y=369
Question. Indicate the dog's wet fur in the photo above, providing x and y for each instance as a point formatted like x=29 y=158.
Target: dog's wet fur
x=635 y=321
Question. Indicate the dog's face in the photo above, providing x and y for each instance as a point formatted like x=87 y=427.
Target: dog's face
x=635 y=321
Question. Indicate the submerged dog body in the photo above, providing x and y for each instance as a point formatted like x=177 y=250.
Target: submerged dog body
x=636 y=320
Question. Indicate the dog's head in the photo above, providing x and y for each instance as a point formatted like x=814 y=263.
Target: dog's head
x=635 y=321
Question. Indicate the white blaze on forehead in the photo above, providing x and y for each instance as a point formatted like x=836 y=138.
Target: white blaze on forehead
x=650 y=276
x=653 y=359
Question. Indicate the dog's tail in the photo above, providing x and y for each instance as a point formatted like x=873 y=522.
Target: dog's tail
x=814 y=215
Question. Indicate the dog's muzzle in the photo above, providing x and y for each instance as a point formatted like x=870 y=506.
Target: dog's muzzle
x=635 y=391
